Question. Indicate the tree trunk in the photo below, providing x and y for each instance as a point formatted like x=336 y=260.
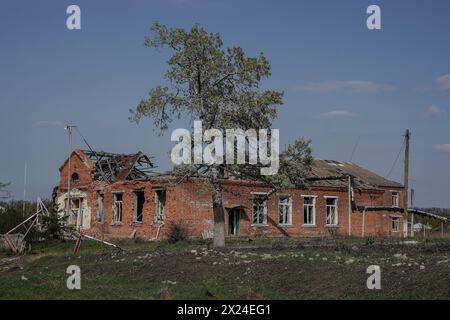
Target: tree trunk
x=219 y=215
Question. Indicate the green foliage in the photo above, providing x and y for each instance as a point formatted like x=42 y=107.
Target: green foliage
x=14 y=212
x=370 y=241
x=222 y=87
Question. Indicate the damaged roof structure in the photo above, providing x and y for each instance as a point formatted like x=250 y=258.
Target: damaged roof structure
x=332 y=173
x=110 y=167
x=119 y=195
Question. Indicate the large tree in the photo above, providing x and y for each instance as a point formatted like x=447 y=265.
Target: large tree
x=222 y=88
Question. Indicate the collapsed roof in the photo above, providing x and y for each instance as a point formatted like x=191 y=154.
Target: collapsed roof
x=331 y=173
x=110 y=167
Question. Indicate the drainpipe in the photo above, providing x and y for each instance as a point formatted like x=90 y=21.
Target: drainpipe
x=363 y=222
x=349 y=206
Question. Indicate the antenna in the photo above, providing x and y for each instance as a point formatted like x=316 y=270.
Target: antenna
x=24 y=188
x=69 y=129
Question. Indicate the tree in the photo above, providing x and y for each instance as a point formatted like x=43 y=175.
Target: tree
x=222 y=88
x=3 y=192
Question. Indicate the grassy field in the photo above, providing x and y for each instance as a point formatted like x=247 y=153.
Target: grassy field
x=259 y=269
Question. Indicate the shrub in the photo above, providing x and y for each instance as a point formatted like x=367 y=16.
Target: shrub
x=176 y=233
x=370 y=241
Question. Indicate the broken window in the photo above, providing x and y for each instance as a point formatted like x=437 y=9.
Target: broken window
x=394 y=198
x=259 y=209
x=160 y=199
x=332 y=218
x=75 y=177
x=284 y=210
x=101 y=205
x=118 y=208
x=309 y=211
x=139 y=200
x=395 y=224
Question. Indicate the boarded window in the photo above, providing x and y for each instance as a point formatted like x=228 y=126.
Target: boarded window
x=259 y=209
x=332 y=218
x=309 y=211
x=284 y=210
x=118 y=207
x=139 y=200
x=160 y=199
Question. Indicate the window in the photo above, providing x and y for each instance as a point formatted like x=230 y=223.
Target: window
x=309 y=211
x=332 y=214
x=394 y=198
x=117 y=219
x=139 y=200
x=395 y=224
x=160 y=198
x=75 y=177
x=285 y=210
x=101 y=205
x=259 y=214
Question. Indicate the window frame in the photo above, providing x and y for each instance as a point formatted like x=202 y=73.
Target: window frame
x=397 y=197
x=314 y=224
x=264 y=223
x=289 y=213
x=117 y=222
x=160 y=206
x=136 y=201
x=336 y=206
x=395 y=218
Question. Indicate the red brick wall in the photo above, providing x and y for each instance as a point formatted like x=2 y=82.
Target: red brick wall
x=190 y=204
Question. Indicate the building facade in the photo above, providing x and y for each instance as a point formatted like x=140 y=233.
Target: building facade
x=111 y=197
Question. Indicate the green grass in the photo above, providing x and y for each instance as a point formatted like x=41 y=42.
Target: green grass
x=258 y=269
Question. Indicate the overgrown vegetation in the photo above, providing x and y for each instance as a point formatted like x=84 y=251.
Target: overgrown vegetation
x=177 y=232
x=15 y=212
x=269 y=268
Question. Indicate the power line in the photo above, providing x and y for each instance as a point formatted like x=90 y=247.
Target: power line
x=354 y=148
x=396 y=159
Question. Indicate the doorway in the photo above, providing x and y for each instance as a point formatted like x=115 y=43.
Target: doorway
x=234 y=225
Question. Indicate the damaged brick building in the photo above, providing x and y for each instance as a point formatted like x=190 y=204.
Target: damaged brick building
x=117 y=196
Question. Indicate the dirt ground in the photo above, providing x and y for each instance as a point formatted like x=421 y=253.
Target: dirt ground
x=258 y=269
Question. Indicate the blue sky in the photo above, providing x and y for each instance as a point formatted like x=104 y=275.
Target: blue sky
x=343 y=83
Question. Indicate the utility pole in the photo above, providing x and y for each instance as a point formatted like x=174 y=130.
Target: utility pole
x=69 y=176
x=406 y=180
x=24 y=188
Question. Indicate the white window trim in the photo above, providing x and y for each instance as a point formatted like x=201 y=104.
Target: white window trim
x=264 y=224
x=310 y=225
x=290 y=211
x=337 y=211
x=398 y=223
x=116 y=222
x=159 y=218
x=398 y=198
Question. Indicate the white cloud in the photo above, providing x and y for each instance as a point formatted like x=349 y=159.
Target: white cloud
x=443 y=147
x=443 y=82
x=46 y=123
x=357 y=86
x=434 y=110
x=338 y=114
